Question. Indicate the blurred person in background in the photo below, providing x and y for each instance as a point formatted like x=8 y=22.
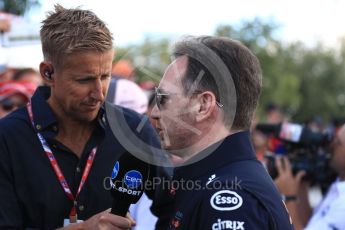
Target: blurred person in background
x=5 y=25
x=13 y=95
x=259 y=140
x=7 y=73
x=260 y=144
x=123 y=69
x=329 y=214
x=149 y=88
x=124 y=92
x=273 y=114
x=2 y=72
x=28 y=75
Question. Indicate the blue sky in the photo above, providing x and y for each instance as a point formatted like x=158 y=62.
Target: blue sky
x=130 y=21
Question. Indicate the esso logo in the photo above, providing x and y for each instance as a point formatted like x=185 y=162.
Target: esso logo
x=115 y=170
x=226 y=200
x=133 y=179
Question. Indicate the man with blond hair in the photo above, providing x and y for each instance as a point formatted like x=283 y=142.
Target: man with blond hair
x=56 y=152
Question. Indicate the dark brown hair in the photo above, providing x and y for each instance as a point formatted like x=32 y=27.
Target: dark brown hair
x=226 y=66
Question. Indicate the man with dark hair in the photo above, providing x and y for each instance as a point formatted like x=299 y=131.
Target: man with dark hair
x=204 y=107
x=56 y=152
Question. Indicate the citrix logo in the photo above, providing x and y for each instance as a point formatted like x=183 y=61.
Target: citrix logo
x=228 y=224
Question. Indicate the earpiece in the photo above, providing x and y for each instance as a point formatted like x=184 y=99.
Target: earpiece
x=48 y=74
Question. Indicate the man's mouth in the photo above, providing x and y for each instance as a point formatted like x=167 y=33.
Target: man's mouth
x=160 y=132
x=92 y=106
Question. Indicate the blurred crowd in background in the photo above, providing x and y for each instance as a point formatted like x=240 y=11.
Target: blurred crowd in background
x=16 y=88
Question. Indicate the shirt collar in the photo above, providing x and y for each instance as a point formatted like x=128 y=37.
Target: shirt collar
x=43 y=114
x=44 y=117
x=235 y=147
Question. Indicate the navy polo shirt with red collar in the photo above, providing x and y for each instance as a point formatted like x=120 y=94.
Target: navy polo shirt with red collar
x=227 y=189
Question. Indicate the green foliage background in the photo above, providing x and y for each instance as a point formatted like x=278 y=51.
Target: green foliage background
x=305 y=81
x=17 y=7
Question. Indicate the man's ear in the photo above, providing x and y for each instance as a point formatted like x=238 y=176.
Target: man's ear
x=206 y=106
x=47 y=71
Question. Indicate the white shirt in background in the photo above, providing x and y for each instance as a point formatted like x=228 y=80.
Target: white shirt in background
x=330 y=214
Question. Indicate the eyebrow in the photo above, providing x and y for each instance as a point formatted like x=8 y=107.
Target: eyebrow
x=85 y=78
x=162 y=91
x=90 y=75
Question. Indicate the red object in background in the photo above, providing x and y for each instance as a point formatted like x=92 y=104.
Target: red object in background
x=275 y=145
x=124 y=69
x=148 y=85
x=10 y=88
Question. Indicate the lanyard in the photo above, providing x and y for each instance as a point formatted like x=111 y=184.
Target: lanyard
x=58 y=172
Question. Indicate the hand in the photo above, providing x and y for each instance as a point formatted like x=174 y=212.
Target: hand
x=5 y=25
x=287 y=183
x=105 y=220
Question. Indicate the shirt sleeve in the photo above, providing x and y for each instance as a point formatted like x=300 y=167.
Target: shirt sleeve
x=10 y=215
x=332 y=220
x=232 y=209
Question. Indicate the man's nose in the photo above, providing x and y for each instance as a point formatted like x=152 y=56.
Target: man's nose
x=97 y=91
x=155 y=112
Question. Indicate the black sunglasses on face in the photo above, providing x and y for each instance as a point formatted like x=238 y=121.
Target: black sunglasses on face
x=160 y=96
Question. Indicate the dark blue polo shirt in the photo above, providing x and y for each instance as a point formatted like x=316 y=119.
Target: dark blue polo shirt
x=228 y=189
x=30 y=193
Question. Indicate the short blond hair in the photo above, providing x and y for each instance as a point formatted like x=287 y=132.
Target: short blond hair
x=68 y=31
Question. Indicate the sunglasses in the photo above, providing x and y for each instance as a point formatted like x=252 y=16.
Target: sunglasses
x=161 y=97
x=9 y=105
